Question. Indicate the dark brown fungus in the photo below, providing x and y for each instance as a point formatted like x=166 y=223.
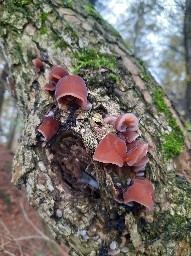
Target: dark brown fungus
x=37 y=64
x=72 y=88
x=49 y=127
x=142 y=192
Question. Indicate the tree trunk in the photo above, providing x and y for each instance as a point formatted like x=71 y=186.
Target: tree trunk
x=72 y=34
x=12 y=129
x=187 y=46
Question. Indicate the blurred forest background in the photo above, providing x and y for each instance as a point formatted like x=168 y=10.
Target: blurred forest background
x=159 y=33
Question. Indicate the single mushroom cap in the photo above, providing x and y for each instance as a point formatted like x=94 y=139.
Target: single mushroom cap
x=142 y=192
x=111 y=149
x=126 y=122
x=49 y=87
x=109 y=119
x=49 y=127
x=74 y=87
x=135 y=152
x=38 y=64
x=56 y=73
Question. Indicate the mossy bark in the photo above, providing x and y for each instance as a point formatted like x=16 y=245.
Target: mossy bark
x=72 y=34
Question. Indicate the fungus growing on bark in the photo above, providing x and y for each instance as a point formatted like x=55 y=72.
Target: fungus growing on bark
x=130 y=136
x=49 y=127
x=56 y=73
x=111 y=149
x=72 y=88
x=109 y=119
x=141 y=164
x=142 y=192
x=37 y=64
x=126 y=122
x=49 y=87
x=135 y=152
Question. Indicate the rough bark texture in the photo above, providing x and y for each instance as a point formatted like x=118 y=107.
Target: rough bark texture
x=72 y=34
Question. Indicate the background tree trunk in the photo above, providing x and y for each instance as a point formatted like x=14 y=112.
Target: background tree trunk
x=72 y=34
x=187 y=46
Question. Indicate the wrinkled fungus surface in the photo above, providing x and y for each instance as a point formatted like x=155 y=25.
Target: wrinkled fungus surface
x=111 y=149
x=142 y=192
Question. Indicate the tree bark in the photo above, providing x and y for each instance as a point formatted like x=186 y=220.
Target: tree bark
x=72 y=34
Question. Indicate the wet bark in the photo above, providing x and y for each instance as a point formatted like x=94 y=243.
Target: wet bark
x=88 y=219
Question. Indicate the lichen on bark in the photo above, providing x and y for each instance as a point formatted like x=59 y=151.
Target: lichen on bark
x=64 y=32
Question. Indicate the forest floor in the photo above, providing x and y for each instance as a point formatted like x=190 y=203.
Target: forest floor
x=22 y=232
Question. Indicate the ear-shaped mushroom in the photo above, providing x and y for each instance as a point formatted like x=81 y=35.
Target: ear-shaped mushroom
x=109 y=119
x=136 y=151
x=56 y=73
x=74 y=87
x=142 y=192
x=49 y=87
x=38 y=64
x=130 y=136
x=126 y=122
x=49 y=127
x=111 y=149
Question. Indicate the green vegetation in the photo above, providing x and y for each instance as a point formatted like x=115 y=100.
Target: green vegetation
x=18 y=53
x=145 y=76
x=43 y=17
x=71 y=32
x=59 y=41
x=90 y=58
x=172 y=143
x=67 y=3
x=143 y=73
x=171 y=227
x=22 y=2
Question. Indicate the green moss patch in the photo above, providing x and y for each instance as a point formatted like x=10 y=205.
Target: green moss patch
x=90 y=58
x=171 y=227
x=71 y=32
x=172 y=143
x=22 y=2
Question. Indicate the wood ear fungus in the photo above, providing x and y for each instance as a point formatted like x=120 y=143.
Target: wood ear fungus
x=72 y=88
x=38 y=64
x=142 y=192
x=111 y=149
x=56 y=73
x=49 y=127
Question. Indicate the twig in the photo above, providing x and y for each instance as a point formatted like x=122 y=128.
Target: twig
x=6 y=228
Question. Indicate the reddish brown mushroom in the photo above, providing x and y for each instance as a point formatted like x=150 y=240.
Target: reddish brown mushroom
x=142 y=192
x=56 y=73
x=49 y=87
x=49 y=127
x=140 y=165
x=109 y=119
x=130 y=136
x=126 y=122
x=111 y=149
x=72 y=88
x=38 y=64
x=136 y=151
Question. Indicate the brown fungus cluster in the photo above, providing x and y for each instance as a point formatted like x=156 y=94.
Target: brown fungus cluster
x=124 y=149
x=68 y=89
